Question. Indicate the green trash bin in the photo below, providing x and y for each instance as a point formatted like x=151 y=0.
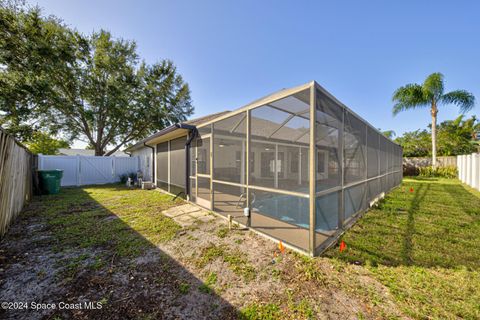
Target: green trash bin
x=50 y=181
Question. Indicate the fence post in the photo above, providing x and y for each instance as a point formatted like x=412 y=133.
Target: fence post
x=474 y=182
x=464 y=165
x=113 y=168
x=459 y=167
x=469 y=169
x=79 y=170
x=478 y=171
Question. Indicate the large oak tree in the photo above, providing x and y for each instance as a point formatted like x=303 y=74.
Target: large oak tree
x=94 y=88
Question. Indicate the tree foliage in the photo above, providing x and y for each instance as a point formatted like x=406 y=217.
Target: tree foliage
x=415 y=143
x=458 y=136
x=41 y=142
x=94 y=88
x=430 y=94
x=388 y=133
x=455 y=137
x=32 y=49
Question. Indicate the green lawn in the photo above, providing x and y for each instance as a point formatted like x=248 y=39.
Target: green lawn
x=424 y=246
x=83 y=218
x=416 y=255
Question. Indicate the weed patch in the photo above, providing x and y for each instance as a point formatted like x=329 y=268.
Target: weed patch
x=239 y=265
x=259 y=311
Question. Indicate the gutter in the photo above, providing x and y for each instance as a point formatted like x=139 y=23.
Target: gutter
x=153 y=162
x=192 y=134
x=160 y=133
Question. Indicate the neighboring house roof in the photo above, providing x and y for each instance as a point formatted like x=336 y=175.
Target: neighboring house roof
x=85 y=152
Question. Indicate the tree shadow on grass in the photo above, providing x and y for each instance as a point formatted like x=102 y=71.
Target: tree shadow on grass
x=379 y=240
x=407 y=248
x=435 y=226
x=465 y=199
x=74 y=248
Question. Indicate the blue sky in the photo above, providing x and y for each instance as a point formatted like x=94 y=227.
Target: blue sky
x=233 y=52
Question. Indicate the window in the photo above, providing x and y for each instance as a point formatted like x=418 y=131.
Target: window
x=293 y=162
x=322 y=164
x=267 y=163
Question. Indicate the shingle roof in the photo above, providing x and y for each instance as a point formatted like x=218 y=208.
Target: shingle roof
x=193 y=122
x=200 y=120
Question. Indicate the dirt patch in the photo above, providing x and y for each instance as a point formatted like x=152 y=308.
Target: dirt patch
x=205 y=272
x=281 y=279
x=31 y=271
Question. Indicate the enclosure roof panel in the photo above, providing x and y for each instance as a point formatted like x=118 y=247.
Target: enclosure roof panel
x=175 y=127
x=219 y=115
x=273 y=100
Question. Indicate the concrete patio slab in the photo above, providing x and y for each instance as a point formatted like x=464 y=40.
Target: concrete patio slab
x=188 y=214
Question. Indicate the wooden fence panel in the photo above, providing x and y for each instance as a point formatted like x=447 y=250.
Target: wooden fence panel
x=411 y=165
x=15 y=179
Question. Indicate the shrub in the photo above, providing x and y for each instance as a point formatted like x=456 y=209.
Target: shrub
x=124 y=177
x=133 y=176
x=439 y=172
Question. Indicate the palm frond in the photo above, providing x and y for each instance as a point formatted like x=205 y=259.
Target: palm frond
x=461 y=98
x=408 y=97
x=458 y=120
x=433 y=86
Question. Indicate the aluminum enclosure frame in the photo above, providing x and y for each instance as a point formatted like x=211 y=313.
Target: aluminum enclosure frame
x=354 y=188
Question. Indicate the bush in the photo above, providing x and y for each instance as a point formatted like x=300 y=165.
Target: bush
x=133 y=176
x=439 y=172
x=124 y=177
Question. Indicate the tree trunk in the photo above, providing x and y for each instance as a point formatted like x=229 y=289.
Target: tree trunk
x=434 y=112
x=98 y=150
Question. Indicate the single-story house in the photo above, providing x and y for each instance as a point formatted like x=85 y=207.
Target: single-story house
x=297 y=166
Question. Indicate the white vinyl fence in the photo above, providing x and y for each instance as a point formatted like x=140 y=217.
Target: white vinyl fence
x=83 y=170
x=469 y=169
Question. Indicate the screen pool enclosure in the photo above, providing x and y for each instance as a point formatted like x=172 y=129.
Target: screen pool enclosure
x=297 y=165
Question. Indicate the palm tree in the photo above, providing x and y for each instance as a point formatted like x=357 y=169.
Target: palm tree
x=390 y=134
x=431 y=94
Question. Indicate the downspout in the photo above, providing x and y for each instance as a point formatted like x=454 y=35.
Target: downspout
x=154 y=180
x=192 y=134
